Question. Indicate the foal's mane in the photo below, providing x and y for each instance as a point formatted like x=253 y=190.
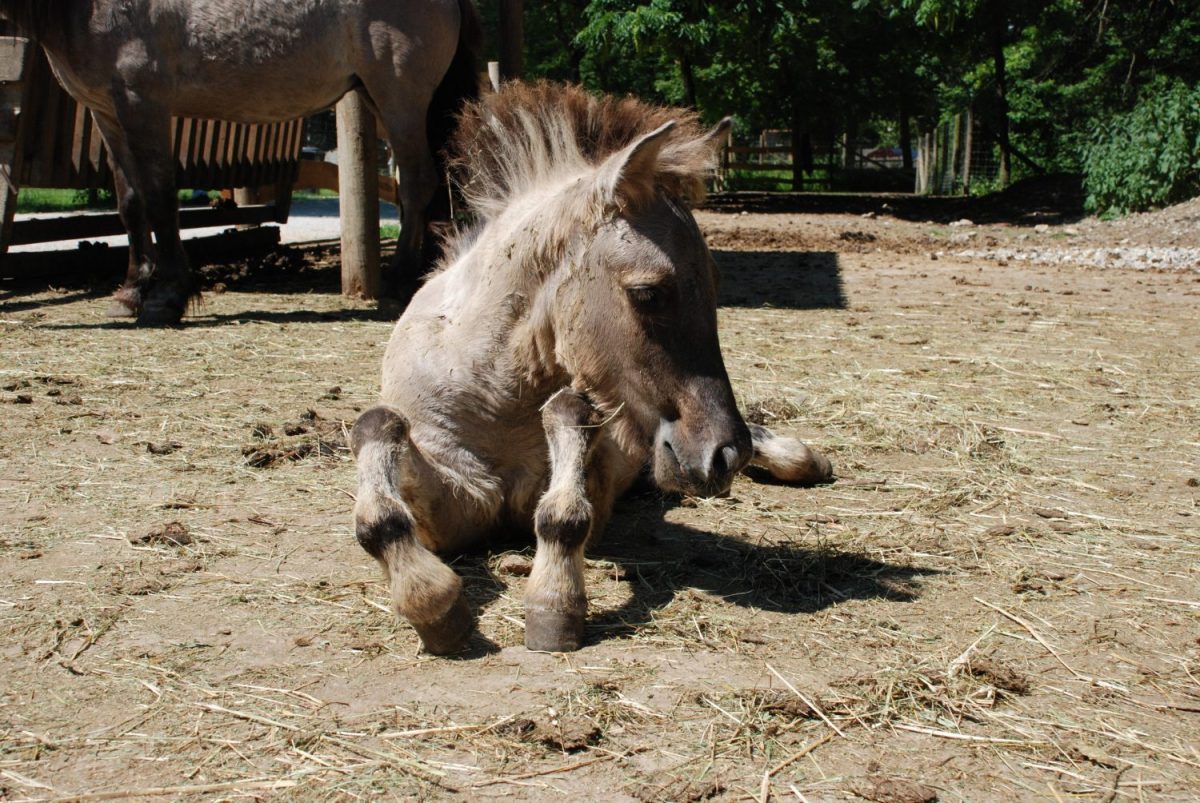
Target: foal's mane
x=532 y=135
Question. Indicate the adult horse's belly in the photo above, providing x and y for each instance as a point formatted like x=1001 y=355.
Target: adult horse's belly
x=263 y=103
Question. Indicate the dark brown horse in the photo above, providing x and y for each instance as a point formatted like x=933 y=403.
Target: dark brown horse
x=567 y=344
x=137 y=63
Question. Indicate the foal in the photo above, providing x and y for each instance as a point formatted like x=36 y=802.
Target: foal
x=565 y=345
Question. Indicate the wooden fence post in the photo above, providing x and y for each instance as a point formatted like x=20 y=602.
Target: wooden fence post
x=14 y=97
x=358 y=187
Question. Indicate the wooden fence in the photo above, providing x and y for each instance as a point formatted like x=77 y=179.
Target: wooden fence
x=772 y=166
x=761 y=160
x=47 y=140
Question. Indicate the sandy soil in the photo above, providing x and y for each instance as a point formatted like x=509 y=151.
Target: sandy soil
x=996 y=600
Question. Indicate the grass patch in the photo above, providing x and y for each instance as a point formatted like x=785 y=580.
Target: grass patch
x=312 y=195
x=38 y=199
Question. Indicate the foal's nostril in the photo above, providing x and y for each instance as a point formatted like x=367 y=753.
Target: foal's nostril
x=724 y=461
x=733 y=458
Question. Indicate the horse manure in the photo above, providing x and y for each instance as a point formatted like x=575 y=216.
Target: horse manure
x=998 y=675
x=262 y=431
x=173 y=533
x=515 y=566
x=568 y=736
x=520 y=727
x=139 y=587
x=894 y=790
x=1050 y=513
x=685 y=790
x=778 y=701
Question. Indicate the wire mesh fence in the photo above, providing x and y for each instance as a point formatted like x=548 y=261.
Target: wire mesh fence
x=957 y=157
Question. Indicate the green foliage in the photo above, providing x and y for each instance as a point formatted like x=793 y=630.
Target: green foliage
x=31 y=199
x=1149 y=156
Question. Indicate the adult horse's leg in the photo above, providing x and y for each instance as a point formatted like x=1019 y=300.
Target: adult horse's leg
x=145 y=156
x=576 y=505
x=416 y=182
x=425 y=591
x=127 y=300
x=787 y=459
x=395 y=104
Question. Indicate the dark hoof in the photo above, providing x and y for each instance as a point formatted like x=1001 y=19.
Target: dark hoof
x=161 y=313
x=449 y=634
x=553 y=631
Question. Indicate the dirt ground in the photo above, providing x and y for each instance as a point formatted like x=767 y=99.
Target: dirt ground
x=996 y=600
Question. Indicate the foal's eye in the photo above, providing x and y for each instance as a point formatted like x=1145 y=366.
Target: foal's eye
x=647 y=298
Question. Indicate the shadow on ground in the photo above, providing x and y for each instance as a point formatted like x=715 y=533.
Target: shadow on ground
x=659 y=559
x=1051 y=199
x=781 y=279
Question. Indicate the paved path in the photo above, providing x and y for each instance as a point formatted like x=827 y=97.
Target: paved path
x=309 y=221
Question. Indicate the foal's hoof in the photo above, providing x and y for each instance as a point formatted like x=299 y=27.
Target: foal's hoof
x=553 y=631
x=448 y=634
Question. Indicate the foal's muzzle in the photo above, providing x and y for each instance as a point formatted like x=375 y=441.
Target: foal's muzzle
x=702 y=463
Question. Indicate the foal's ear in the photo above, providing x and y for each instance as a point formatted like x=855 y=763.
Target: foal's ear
x=629 y=173
x=719 y=135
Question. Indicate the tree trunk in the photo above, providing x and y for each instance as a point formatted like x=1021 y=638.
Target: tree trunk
x=512 y=39
x=689 y=80
x=797 y=148
x=999 y=26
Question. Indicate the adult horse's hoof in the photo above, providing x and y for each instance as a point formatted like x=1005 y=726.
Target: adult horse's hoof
x=448 y=634
x=160 y=312
x=120 y=308
x=553 y=631
x=126 y=302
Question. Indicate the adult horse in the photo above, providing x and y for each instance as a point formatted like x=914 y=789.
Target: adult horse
x=565 y=344
x=136 y=63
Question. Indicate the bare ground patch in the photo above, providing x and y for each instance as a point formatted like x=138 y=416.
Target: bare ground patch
x=996 y=600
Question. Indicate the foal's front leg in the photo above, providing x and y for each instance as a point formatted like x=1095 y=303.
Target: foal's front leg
x=425 y=591
x=555 y=599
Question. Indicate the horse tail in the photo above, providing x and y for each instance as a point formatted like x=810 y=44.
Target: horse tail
x=459 y=85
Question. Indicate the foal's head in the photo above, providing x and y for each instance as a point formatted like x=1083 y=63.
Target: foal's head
x=636 y=323
x=597 y=193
